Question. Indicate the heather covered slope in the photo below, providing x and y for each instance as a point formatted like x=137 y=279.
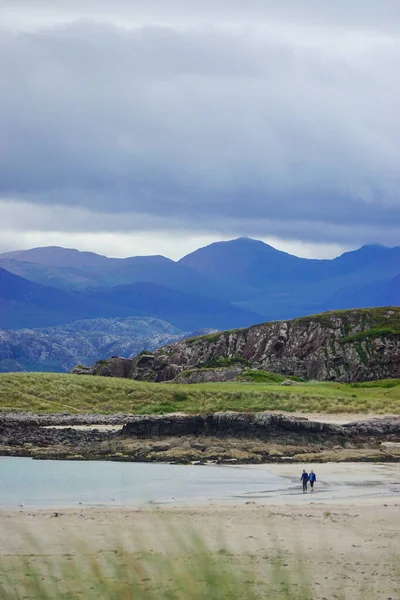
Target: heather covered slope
x=346 y=346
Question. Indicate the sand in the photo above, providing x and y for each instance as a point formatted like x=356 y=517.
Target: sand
x=345 y=536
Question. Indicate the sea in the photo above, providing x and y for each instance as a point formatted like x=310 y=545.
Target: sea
x=29 y=483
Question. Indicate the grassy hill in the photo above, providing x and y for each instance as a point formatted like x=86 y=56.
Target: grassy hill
x=51 y=392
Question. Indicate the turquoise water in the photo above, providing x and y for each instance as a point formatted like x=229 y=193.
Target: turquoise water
x=52 y=483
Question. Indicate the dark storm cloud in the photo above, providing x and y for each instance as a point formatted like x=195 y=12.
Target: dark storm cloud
x=248 y=118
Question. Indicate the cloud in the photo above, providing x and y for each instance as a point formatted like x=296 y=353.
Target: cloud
x=253 y=121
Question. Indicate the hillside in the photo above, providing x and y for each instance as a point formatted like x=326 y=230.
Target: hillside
x=60 y=348
x=25 y=304
x=345 y=346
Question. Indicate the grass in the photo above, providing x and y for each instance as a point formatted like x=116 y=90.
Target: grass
x=377 y=317
x=374 y=332
x=259 y=376
x=54 y=392
x=195 y=573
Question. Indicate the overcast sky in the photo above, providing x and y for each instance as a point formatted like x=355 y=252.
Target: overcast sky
x=156 y=127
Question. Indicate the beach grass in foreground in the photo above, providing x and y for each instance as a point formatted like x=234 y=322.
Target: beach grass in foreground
x=195 y=575
x=191 y=570
x=54 y=393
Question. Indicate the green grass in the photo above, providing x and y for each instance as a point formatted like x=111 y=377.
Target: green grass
x=260 y=376
x=51 y=392
x=376 y=317
x=372 y=333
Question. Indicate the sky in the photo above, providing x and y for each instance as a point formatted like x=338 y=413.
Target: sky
x=156 y=127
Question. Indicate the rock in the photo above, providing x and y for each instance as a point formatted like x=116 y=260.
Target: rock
x=208 y=375
x=344 y=346
x=244 y=437
x=82 y=370
x=290 y=382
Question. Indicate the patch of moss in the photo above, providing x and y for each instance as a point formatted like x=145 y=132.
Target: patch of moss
x=225 y=361
x=372 y=333
x=361 y=353
x=211 y=337
x=267 y=377
x=382 y=383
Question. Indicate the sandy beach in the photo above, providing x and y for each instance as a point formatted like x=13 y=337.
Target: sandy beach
x=344 y=538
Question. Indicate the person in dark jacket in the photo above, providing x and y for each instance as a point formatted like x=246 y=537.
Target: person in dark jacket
x=312 y=478
x=304 y=480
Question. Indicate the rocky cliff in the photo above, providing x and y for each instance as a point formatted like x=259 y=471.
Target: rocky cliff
x=344 y=346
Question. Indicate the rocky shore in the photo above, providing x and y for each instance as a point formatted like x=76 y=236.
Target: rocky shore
x=220 y=437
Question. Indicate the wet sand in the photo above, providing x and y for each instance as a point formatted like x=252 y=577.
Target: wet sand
x=345 y=536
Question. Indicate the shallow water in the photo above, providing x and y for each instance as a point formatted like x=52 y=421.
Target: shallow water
x=53 y=483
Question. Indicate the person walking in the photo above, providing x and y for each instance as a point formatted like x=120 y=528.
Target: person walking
x=312 y=478
x=304 y=480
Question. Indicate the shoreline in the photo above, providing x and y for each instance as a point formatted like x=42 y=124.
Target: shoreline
x=338 y=483
x=221 y=438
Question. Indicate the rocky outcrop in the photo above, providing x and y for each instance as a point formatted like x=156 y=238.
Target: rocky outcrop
x=264 y=426
x=208 y=375
x=344 y=346
x=22 y=434
x=219 y=437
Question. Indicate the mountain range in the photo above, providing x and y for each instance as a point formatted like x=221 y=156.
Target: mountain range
x=224 y=285
x=28 y=304
x=245 y=273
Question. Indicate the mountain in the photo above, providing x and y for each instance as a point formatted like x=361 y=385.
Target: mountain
x=281 y=286
x=251 y=263
x=186 y=311
x=24 y=303
x=60 y=348
x=376 y=294
x=259 y=265
x=346 y=346
x=246 y=273
x=73 y=270
x=27 y=304
x=57 y=256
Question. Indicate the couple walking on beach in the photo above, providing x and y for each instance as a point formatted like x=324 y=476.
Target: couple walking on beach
x=305 y=478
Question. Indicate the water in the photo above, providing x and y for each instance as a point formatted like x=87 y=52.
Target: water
x=57 y=483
